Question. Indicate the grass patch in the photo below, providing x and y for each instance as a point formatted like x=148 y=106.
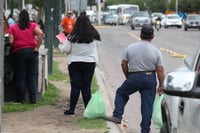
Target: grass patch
x=56 y=75
x=96 y=123
x=91 y=123
x=50 y=97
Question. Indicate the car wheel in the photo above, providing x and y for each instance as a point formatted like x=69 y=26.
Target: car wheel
x=132 y=27
x=185 y=29
x=164 y=128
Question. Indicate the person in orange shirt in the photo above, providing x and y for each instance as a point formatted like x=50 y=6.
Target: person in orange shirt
x=68 y=23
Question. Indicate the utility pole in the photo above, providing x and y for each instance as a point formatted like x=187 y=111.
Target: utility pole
x=176 y=6
x=49 y=34
x=57 y=20
x=99 y=12
x=23 y=4
x=1 y=62
x=11 y=7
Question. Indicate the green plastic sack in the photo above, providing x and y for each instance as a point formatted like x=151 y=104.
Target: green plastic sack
x=156 y=116
x=96 y=106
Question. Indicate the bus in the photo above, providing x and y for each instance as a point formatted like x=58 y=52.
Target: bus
x=123 y=12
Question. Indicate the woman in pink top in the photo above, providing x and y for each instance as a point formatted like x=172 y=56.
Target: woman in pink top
x=25 y=38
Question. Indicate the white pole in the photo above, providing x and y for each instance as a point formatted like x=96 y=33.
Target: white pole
x=66 y=4
x=23 y=4
x=99 y=11
x=176 y=6
x=6 y=4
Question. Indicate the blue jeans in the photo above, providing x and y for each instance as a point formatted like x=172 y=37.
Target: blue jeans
x=146 y=85
x=25 y=65
x=81 y=74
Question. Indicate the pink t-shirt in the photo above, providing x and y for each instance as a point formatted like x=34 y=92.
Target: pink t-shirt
x=23 y=38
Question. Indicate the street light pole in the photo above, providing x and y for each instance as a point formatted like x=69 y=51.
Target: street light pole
x=176 y=6
x=49 y=34
x=99 y=11
x=79 y=11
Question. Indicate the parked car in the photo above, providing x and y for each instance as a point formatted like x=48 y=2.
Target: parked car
x=181 y=104
x=139 y=19
x=155 y=15
x=110 y=20
x=172 y=20
x=192 y=21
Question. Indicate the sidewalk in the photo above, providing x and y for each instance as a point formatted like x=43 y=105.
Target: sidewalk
x=48 y=118
x=113 y=128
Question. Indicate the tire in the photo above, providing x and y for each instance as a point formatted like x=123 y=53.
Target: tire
x=185 y=29
x=179 y=27
x=164 y=128
x=132 y=27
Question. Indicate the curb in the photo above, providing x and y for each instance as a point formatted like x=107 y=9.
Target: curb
x=108 y=97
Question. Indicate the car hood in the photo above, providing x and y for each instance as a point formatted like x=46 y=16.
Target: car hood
x=141 y=18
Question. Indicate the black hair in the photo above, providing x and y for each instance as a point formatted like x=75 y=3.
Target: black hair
x=83 y=31
x=24 y=20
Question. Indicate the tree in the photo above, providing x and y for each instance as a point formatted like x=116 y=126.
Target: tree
x=189 y=6
x=91 y=2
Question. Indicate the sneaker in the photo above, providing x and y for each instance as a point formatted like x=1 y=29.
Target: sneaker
x=69 y=112
x=113 y=119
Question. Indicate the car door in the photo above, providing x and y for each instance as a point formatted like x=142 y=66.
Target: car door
x=189 y=116
x=189 y=108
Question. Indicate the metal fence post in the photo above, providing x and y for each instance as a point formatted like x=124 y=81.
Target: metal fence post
x=49 y=33
x=1 y=62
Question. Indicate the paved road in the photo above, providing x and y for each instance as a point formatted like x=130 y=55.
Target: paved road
x=114 y=41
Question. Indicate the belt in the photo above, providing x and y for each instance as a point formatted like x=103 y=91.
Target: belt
x=145 y=72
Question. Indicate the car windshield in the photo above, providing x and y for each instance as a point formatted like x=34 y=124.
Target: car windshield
x=173 y=17
x=156 y=14
x=109 y=17
x=194 y=17
x=141 y=14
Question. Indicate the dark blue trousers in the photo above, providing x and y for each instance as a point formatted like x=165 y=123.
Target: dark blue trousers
x=81 y=74
x=25 y=65
x=146 y=85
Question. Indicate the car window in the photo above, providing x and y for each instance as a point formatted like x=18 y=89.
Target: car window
x=141 y=14
x=194 y=17
x=189 y=61
x=173 y=17
x=109 y=16
x=193 y=61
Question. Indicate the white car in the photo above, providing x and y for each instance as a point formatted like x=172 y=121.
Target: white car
x=181 y=104
x=192 y=21
x=173 y=20
x=139 y=19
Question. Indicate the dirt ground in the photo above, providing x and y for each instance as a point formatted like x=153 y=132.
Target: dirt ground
x=47 y=119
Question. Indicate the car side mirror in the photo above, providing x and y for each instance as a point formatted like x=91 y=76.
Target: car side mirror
x=182 y=83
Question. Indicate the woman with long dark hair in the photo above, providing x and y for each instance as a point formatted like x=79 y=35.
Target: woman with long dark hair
x=25 y=38
x=82 y=61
